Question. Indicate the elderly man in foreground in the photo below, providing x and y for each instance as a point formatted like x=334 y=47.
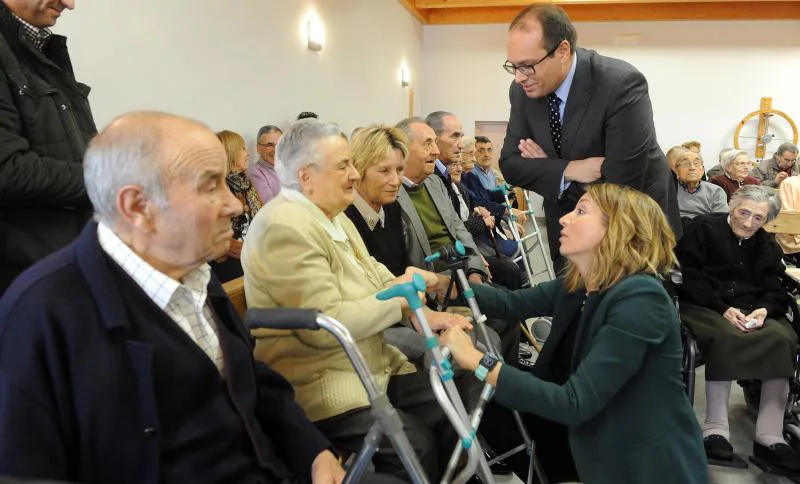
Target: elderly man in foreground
x=121 y=357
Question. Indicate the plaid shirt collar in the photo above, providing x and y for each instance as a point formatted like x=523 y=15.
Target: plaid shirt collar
x=158 y=286
x=37 y=36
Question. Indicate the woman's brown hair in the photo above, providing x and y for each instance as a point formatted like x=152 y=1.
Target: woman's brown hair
x=638 y=239
x=234 y=144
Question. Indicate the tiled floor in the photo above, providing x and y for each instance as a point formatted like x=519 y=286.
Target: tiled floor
x=742 y=425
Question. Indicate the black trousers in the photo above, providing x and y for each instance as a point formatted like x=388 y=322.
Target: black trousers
x=552 y=444
x=505 y=272
x=424 y=422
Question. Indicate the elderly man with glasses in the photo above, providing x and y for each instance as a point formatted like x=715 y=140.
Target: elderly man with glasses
x=577 y=117
x=696 y=197
x=774 y=170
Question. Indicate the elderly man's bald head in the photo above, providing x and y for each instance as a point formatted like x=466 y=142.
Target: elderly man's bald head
x=158 y=181
x=145 y=148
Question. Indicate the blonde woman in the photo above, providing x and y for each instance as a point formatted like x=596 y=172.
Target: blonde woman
x=611 y=369
x=229 y=266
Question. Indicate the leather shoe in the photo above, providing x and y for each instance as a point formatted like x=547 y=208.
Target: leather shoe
x=779 y=455
x=718 y=448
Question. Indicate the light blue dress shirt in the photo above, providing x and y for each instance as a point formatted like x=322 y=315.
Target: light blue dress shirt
x=563 y=93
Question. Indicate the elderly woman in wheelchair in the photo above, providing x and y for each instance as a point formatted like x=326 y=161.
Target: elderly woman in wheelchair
x=733 y=303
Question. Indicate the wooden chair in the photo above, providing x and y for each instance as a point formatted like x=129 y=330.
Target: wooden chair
x=235 y=291
x=786 y=223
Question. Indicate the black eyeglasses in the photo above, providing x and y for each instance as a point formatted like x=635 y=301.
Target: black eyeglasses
x=528 y=69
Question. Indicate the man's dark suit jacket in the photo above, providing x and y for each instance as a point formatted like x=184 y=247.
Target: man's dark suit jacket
x=79 y=382
x=608 y=113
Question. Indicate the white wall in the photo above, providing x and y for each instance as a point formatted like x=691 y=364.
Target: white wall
x=240 y=64
x=704 y=77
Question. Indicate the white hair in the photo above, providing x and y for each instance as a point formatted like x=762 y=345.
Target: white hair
x=116 y=158
x=729 y=156
x=297 y=148
x=757 y=194
x=469 y=141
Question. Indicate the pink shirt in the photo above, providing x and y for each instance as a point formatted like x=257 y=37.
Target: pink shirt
x=265 y=179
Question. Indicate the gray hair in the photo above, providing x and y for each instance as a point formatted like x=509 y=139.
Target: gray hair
x=117 y=157
x=436 y=121
x=729 y=156
x=468 y=142
x=757 y=194
x=405 y=126
x=270 y=128
x=722 y=153
x=297 y=148
x=784 y=147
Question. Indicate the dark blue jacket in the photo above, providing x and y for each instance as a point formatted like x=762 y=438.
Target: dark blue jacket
x=481 y=197
x=77 y=399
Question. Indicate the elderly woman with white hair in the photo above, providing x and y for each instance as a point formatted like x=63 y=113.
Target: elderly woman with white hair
x=303 y=251
x=736 y=166
x=734 y=304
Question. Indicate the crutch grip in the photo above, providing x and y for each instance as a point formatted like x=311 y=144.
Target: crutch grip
x=458 y=251
x=408 y=290
x=281 y=318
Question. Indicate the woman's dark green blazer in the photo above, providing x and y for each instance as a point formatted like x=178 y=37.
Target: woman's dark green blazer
x=629 y=419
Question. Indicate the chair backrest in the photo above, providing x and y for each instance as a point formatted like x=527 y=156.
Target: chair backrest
x=785 y=223
x=235 y=290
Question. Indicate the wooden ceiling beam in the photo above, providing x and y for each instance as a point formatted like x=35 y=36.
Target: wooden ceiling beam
x=420 y=14
x=687 y=10
x=431 y=4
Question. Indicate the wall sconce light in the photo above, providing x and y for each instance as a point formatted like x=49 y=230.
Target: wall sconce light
x=315 y=35
x=405 y=77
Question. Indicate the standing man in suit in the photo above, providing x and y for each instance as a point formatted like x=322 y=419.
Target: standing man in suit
x=577 y=117
x=45 y=124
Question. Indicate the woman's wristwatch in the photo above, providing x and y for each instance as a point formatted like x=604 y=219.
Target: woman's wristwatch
x=487 y=364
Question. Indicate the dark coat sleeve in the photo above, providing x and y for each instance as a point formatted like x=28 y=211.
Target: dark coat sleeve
x=616 y=354
x=629 y=132
x=27 y=178
x=543 y=175
x=501 y=303
x=35 y=413
x=769 y=267
x=481 y=197
x=698 y=286
x=297 y=439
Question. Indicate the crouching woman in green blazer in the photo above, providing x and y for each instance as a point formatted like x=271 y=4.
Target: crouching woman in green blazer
x=615 y=333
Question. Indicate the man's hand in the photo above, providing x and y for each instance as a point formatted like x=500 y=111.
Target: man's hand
x=475 y=278
x=529 y=149
x=326 y=469
x=521 y=216
x=780 y=177
x=482 y=211
x=736 y=318
x=584 y=171
x=235 y=249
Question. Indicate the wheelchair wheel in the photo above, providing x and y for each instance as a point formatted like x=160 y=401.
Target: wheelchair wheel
x=752 y=395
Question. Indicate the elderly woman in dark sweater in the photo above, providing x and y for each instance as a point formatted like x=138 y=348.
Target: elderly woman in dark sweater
x=732 y=301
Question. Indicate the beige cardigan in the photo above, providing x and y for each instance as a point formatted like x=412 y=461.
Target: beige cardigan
x=291 y=259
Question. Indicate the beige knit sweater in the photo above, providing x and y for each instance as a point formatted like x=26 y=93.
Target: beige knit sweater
x=295 y=257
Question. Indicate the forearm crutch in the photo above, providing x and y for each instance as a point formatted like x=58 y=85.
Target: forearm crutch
x=512 y=224
x=441 y=375
x=456 y=258
x=387 y=421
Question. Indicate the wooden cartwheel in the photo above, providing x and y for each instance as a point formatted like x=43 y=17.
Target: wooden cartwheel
x=764 y=135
